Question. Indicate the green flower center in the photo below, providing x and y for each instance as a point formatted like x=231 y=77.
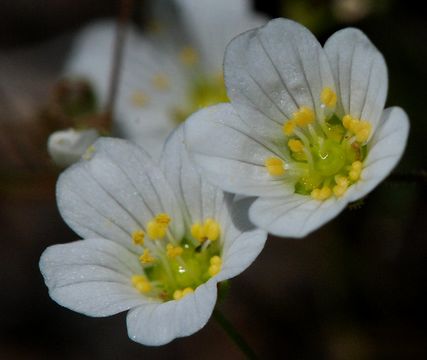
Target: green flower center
x=203 y=92
x=173 y=269
x=324 y=155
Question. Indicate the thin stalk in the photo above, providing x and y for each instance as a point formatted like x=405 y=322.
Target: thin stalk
x=233 y=334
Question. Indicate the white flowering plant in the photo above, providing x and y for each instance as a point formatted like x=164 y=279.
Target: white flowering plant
x=306 y=131
x=157 y=240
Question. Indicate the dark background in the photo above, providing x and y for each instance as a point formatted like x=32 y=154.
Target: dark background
x=355 y=289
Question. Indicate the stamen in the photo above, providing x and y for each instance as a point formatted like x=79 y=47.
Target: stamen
x=321 y=194
x=303 y=116
x=295 y=145
x=139 y=98
x=157 y=228
x=328 y=97
x=215 y=265
x=173 y=251
x=160 y=81
x=188 y=56
x=146 y=257
x=138 y=237
x=275 y=166
x=288 y=127
x=141 y=283
x=209 y=230
x=179 y=294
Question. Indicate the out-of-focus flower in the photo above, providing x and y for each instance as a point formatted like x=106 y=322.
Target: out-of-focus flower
x=67 y=146
x=158 y=239
x=306 y=130
x=168 y=74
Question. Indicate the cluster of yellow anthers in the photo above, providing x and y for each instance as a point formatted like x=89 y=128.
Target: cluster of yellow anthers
x=175 y=270
x=208 y=230
x=360 y=128
x=323 y=148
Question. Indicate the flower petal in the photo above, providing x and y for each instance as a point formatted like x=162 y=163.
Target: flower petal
x=272 y=71
x=227 y=153
x=158 y=324
x=117 y=191
x=294 y=215
x=384 y=150
x=199 y=199
x=91 y=56
x=91 y=277
x=67 y=146
x=213 y=23
x=360 y=74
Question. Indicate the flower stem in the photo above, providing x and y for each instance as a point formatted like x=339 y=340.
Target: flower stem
x=233 y=334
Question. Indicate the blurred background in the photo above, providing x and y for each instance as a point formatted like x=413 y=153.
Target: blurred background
x=355 y=289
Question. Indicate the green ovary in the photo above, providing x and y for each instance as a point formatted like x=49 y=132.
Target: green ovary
x=331 y=162
x=204 y=91
x=189 y=270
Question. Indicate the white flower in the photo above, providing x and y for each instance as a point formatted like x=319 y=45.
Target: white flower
x=65 y=147
x=306 y=131
x=162 y=82
x=158 y=239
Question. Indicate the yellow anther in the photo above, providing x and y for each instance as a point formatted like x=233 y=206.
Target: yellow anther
x=156 y=230
x=138 y=237
x=341 y=180
x=173 y=251
x=339 y=190
x=212 y=229
x=214 y=269
x=160 y=81
x=141 y=283
x=188 y=56
x=354 y=175
x=146 y=257
x=288 y=127
x=303 y=116
x=295 y=145
x=363 y=131
x=356 y=165
x=328 y=97
x=89 y=153
x=347 y=120
x=321 y=194
x=163 y=219
x=209 y=230
x=275 y=166
x=187 y=290
x=215 y=260
x=197 y=231
x=177 y=294
x=139 y=98
x=355 y=171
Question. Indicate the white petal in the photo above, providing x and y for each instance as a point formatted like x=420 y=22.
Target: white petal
x=158 y=324
x=67 y=146
x=272 y=71
x=213 y=23
x=240 y=246
x=199 y=199
x=384 y=150
x=149 y=120
x=294 y=215
x=115 y=193
x=228 y=155
x=360 y=74
x=240 y=251
x=91 y=56
x=91 y=276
